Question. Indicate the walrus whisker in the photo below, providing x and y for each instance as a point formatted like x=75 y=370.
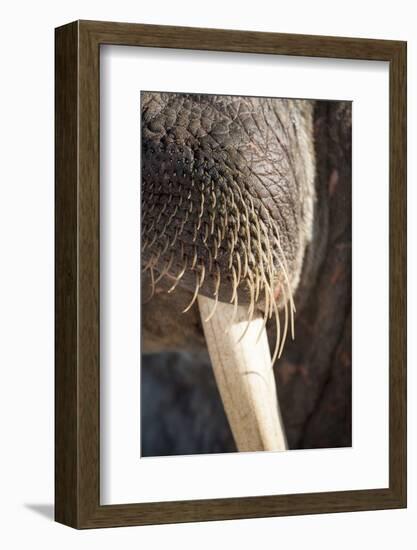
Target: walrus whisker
x=206 y=233
x=178 y=277
x=234 y=288
x=220 y=236
x=197 y=288
x=161 y=212
x=251 y=310
x=172 y=216
x=210 y=260
x=284 y=334
x=230 y=260
x=202 y=275
x=149 y=298
x=165 y=246
x=278 y=331
x=150 y=263
x=160 y=276
x=150 y=245
x=218 y=279
x=183 y=222
x=193 y=263
x=216 y=248
x=215 y=294
x=166 y=268
x=195 y=233
x=212 y=312
x=201 y=206
x=232 y=319
x=265 y=317
x=283 y=264
x=212 y=219
x=290 y=298
x=245 y=265
x=175 y=237
x=272 y=300
x=239 y=268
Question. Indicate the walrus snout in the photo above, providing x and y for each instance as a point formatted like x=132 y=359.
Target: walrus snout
x=222 y=203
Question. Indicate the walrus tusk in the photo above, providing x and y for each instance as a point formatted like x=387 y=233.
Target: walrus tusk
x=244 y=376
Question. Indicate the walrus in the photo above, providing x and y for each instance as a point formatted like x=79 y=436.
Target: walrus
x=245 y=200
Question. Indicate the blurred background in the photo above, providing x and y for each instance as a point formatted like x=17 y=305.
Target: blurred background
x=182 y=412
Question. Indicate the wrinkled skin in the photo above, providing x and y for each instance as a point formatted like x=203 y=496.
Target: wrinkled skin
x=309 y=154
x=236 y=160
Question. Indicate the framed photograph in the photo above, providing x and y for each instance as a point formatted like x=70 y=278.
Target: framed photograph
x=230 y=274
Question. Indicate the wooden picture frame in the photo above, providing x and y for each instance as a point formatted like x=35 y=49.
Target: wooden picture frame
x=77 y=376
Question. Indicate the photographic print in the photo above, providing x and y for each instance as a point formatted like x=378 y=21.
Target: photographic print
x=217 y=277
x=246 y=218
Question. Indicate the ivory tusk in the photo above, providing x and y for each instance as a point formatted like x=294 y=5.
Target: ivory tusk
x=244 y=376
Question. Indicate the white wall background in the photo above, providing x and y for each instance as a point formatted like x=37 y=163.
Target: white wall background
x=26 y=272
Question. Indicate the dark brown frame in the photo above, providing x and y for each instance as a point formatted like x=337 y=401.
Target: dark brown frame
x=77 y=274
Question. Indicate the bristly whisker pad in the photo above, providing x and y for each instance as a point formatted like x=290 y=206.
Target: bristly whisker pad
x=219 y=242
